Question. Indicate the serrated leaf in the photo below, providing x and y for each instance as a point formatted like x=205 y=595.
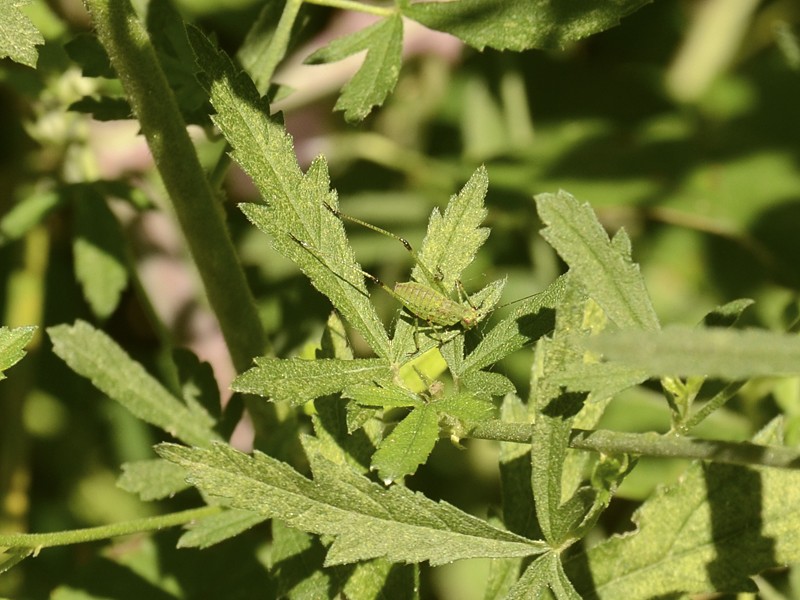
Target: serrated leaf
x=377 y=76
x=298 y=381
x=385 y=396
x=92 y=354
x=545 y=573
x=18 y=35
x=208 y=531
x=297 y=558
x=12 y=346
x=601 y=380
x=453 y=239
x=408 y=445
x=98 y=247
x=707 y=533
x=532 y=319
x=366 y=520
x=154 y=479
x=521 y=24
x=606 y=272
x=302 y=228
x=682 y=351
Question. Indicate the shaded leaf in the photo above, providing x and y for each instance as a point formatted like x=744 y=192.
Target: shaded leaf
x=98 y=246
x=92 y=354
x=532 y=319
x=708 y=533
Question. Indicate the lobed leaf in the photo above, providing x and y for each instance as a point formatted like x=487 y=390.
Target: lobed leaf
x=453 y=239
x=708 y=533
x=377 y=76
x=153 y=479
x=12 y=346
x=92 y=354
x=604 y=268
x=302 y=228
x=366 y=520
x=521 y=24
x=298 y=381
x=532 y=319
x=218 y=528
x=408 y=445
x=683 y=351
x=18 y=35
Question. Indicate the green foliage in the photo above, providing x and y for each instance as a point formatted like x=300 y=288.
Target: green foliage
x=520 y=24
x=441 y=411
x=12 y=344
x=18 y=36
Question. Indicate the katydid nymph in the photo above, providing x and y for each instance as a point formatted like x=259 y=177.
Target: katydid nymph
x=425 y=301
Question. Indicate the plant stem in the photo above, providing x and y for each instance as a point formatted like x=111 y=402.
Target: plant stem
x=652 y=444
x=198 y=211
x=381 y=11
x=89 y=534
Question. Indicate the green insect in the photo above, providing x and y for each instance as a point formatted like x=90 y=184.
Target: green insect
x=421 y=300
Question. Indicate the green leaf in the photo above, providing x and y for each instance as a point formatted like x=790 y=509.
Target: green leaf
x=727 y=314
x=26 y=214
x=298 y=381
x=11 y=557
x=18 y=36
x=366 y=520
x=408 y=445
x=92 y=354
x=12 y=346
x=377 y=77
x=297 y=563
x=98 y=246
x=546 y=572
x=683 y=351
x=302 y=228
x=86 y=50
x=708 y=533
x=385 y=396
x=218 y=528
x=521 y=24
x=153 y=479
x=603 y=268
x=453 y=239
x=532 y=319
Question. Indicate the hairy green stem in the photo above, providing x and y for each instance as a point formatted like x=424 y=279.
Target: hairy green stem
x=103 y=532
x=198 y=211
x=652 y=444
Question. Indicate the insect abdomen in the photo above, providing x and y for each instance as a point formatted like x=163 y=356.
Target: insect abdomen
x=428 y=304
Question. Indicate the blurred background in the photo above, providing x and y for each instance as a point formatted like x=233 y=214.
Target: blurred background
x=680 y=125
